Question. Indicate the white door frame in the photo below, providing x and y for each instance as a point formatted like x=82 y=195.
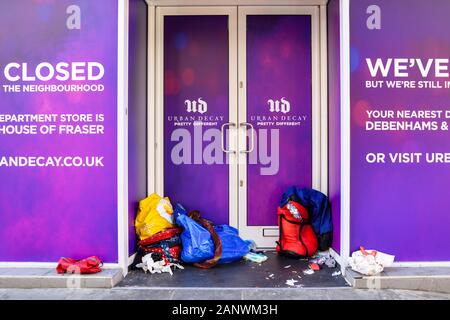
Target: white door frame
x=266 y=236
x=231 y=12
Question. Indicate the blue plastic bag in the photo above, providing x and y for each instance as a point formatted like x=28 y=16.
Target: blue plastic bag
x=233 y=247
x=197 y=243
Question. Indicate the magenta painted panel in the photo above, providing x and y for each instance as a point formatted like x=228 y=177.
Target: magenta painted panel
x=279 y=73
x=53 y=211
x=334 y=119
x=195 y=107
x=402 y=209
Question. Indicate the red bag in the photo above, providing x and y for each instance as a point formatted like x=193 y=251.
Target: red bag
x=297 y=237
x=84 y=266
x=160 y=236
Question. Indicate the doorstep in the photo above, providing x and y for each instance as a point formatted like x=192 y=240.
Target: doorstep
x=433 y=279
x=271 y=274
x=31 y=278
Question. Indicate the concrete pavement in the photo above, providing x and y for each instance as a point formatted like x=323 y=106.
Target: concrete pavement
x=217 y=294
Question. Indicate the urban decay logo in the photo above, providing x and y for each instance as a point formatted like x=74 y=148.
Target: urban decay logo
x=277 y=106
x=196 y=106
x=207 y=139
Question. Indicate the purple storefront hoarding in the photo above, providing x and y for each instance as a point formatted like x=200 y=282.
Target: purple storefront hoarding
x=60 y=197
x=400 y=207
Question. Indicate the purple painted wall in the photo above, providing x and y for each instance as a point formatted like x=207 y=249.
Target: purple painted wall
x=54 y=211
x=137 y=114
x=334 y=119
x=196 y=69
x=278 y=68
x=401 y=209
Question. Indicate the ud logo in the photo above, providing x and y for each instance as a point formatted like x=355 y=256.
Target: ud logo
x=74 y=20
x=282 y=105
x=195 y=106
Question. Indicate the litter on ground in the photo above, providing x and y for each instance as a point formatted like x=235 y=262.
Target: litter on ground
x=314 y=266
x=331 y=263
x=255 y=257
x=323 y=258
x=270 y=277
x=291 y=282
x=148 y=264
x=370 y=262
x=308 y=272
x=336 y=273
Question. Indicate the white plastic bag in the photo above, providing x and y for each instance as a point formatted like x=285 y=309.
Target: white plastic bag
x=148 y=264
x=370 y=262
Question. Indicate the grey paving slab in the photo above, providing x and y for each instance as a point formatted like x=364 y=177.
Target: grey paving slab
x=207 y=294
x=420 y=278
x=27 y=278
x=123 y=294
x=422 y=284
x=416 y=272
x=419 y=295
x=214 y=294
x=22 y=282
x=34 y=294
x=144 y=295
x=364 y=295
x=350 y=274
x=286 y=294
x=24 y=271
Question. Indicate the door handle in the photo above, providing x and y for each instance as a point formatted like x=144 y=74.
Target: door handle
x=252 y=137
x=222 y=131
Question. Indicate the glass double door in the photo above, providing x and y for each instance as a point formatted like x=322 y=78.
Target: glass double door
x=237 y=95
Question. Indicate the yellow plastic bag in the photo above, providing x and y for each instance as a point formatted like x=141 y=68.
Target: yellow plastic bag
x=155 y=215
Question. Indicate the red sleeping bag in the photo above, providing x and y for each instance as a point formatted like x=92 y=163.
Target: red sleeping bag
x=297 y=237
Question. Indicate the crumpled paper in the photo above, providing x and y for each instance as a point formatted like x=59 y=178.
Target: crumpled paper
x=149 y=265
x=370 y=262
